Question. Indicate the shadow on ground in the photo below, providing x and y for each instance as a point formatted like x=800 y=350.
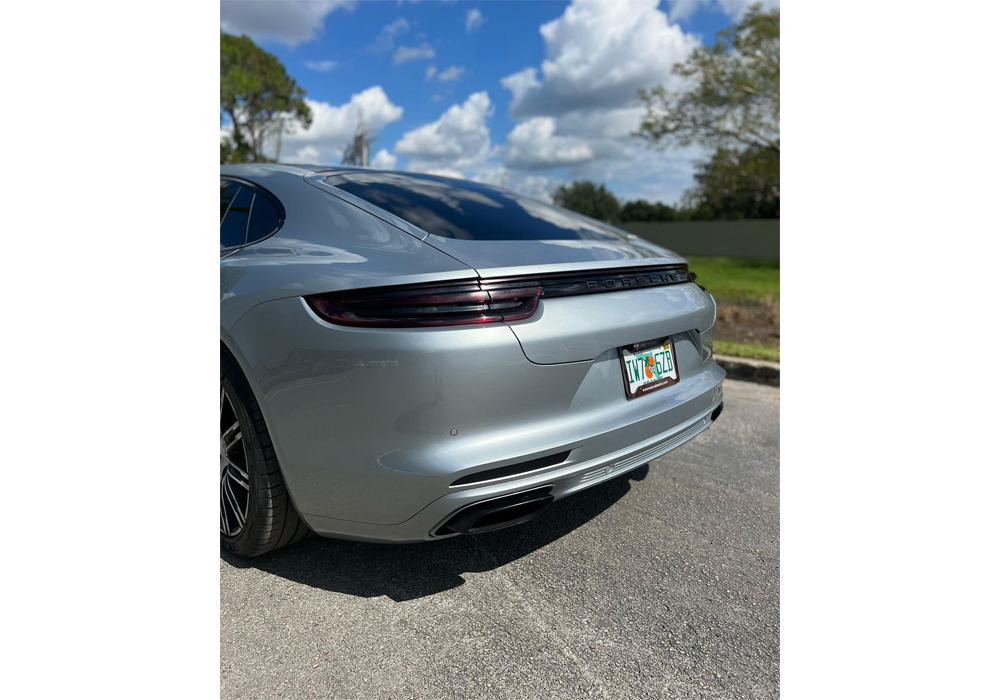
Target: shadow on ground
x=409 y=571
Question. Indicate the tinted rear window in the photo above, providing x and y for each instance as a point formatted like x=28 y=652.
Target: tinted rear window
x=227 y=192
x=263 y=219
x=234 y=226
x=469 y=210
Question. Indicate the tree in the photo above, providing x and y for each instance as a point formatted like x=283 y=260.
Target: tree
x=259 y=98
x=358 y=149
x=228 y=152
x=736 y=184
x=733 y=95
x=589 y=199
x=641 y=210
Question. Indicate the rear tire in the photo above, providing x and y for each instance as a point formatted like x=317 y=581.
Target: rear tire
x=256 y=515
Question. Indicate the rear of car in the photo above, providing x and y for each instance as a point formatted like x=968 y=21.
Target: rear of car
x=434 y=357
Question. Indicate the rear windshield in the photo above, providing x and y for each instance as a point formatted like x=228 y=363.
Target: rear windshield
x=469 y=210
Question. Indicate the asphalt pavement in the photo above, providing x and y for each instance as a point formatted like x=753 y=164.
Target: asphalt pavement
x=661 y=583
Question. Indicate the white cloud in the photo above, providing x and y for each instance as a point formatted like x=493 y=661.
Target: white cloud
x=333 y=126
x=474 y=20
x=384 y=159
x=458 y=140
x=598 y=53
x=521 y=83
x=682 y=9
x=447 y=75
x=586 y=139
x=533 y=145
x=307 y=155
x=386 y=39
x=404 y=54
x=575 y=113
x=321 y=66
x=290 y=23
x=451 y=73
x=654 y=175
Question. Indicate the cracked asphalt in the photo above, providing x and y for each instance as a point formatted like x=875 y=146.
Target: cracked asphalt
x=661 y=583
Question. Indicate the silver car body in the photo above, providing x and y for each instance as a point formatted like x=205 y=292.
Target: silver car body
x=372 y=426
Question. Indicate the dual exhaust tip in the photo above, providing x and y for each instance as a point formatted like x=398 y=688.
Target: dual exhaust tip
x=497 y=513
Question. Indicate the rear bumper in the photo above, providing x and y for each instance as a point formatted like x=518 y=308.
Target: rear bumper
x=372 y=428
x=561 y=481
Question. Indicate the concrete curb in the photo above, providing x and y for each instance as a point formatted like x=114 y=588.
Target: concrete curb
x=760 y=371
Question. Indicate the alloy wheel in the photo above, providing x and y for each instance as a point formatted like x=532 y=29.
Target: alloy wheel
x=234 y=487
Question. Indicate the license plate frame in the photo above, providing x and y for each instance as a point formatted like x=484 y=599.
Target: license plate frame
x=662 y=352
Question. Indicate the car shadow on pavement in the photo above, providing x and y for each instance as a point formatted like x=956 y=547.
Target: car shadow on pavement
x=409 y=571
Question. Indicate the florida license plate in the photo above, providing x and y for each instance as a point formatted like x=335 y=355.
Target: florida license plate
x=648 y=366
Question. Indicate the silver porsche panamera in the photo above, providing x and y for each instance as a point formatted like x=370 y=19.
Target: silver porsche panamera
x=408 y=357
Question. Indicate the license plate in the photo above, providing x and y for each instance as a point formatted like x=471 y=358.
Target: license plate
x=648 y=366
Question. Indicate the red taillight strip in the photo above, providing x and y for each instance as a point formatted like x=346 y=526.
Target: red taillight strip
x=435 y=304
x=477 y=301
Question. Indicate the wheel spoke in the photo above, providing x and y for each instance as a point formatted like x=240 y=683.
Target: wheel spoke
x=234 y=504
x=232 y=444
x=229 y=503
x=235 y=438
x=222 y=402
x=233 y=477
x=229 y=430
x=222 y=513
x=232 y=465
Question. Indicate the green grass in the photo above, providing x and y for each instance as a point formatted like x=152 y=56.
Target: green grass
x=734 y=277
x=751 y=350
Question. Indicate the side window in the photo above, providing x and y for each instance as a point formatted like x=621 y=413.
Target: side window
x=264 y=218
x=234 y=225
x=228 y=191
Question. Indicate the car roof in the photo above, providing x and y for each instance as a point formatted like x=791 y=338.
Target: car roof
x=236 y=169
x=302 y=168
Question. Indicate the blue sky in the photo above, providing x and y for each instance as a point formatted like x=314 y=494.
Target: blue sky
x=527 y=94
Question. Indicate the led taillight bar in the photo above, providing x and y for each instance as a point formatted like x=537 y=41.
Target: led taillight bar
x=435 y=304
